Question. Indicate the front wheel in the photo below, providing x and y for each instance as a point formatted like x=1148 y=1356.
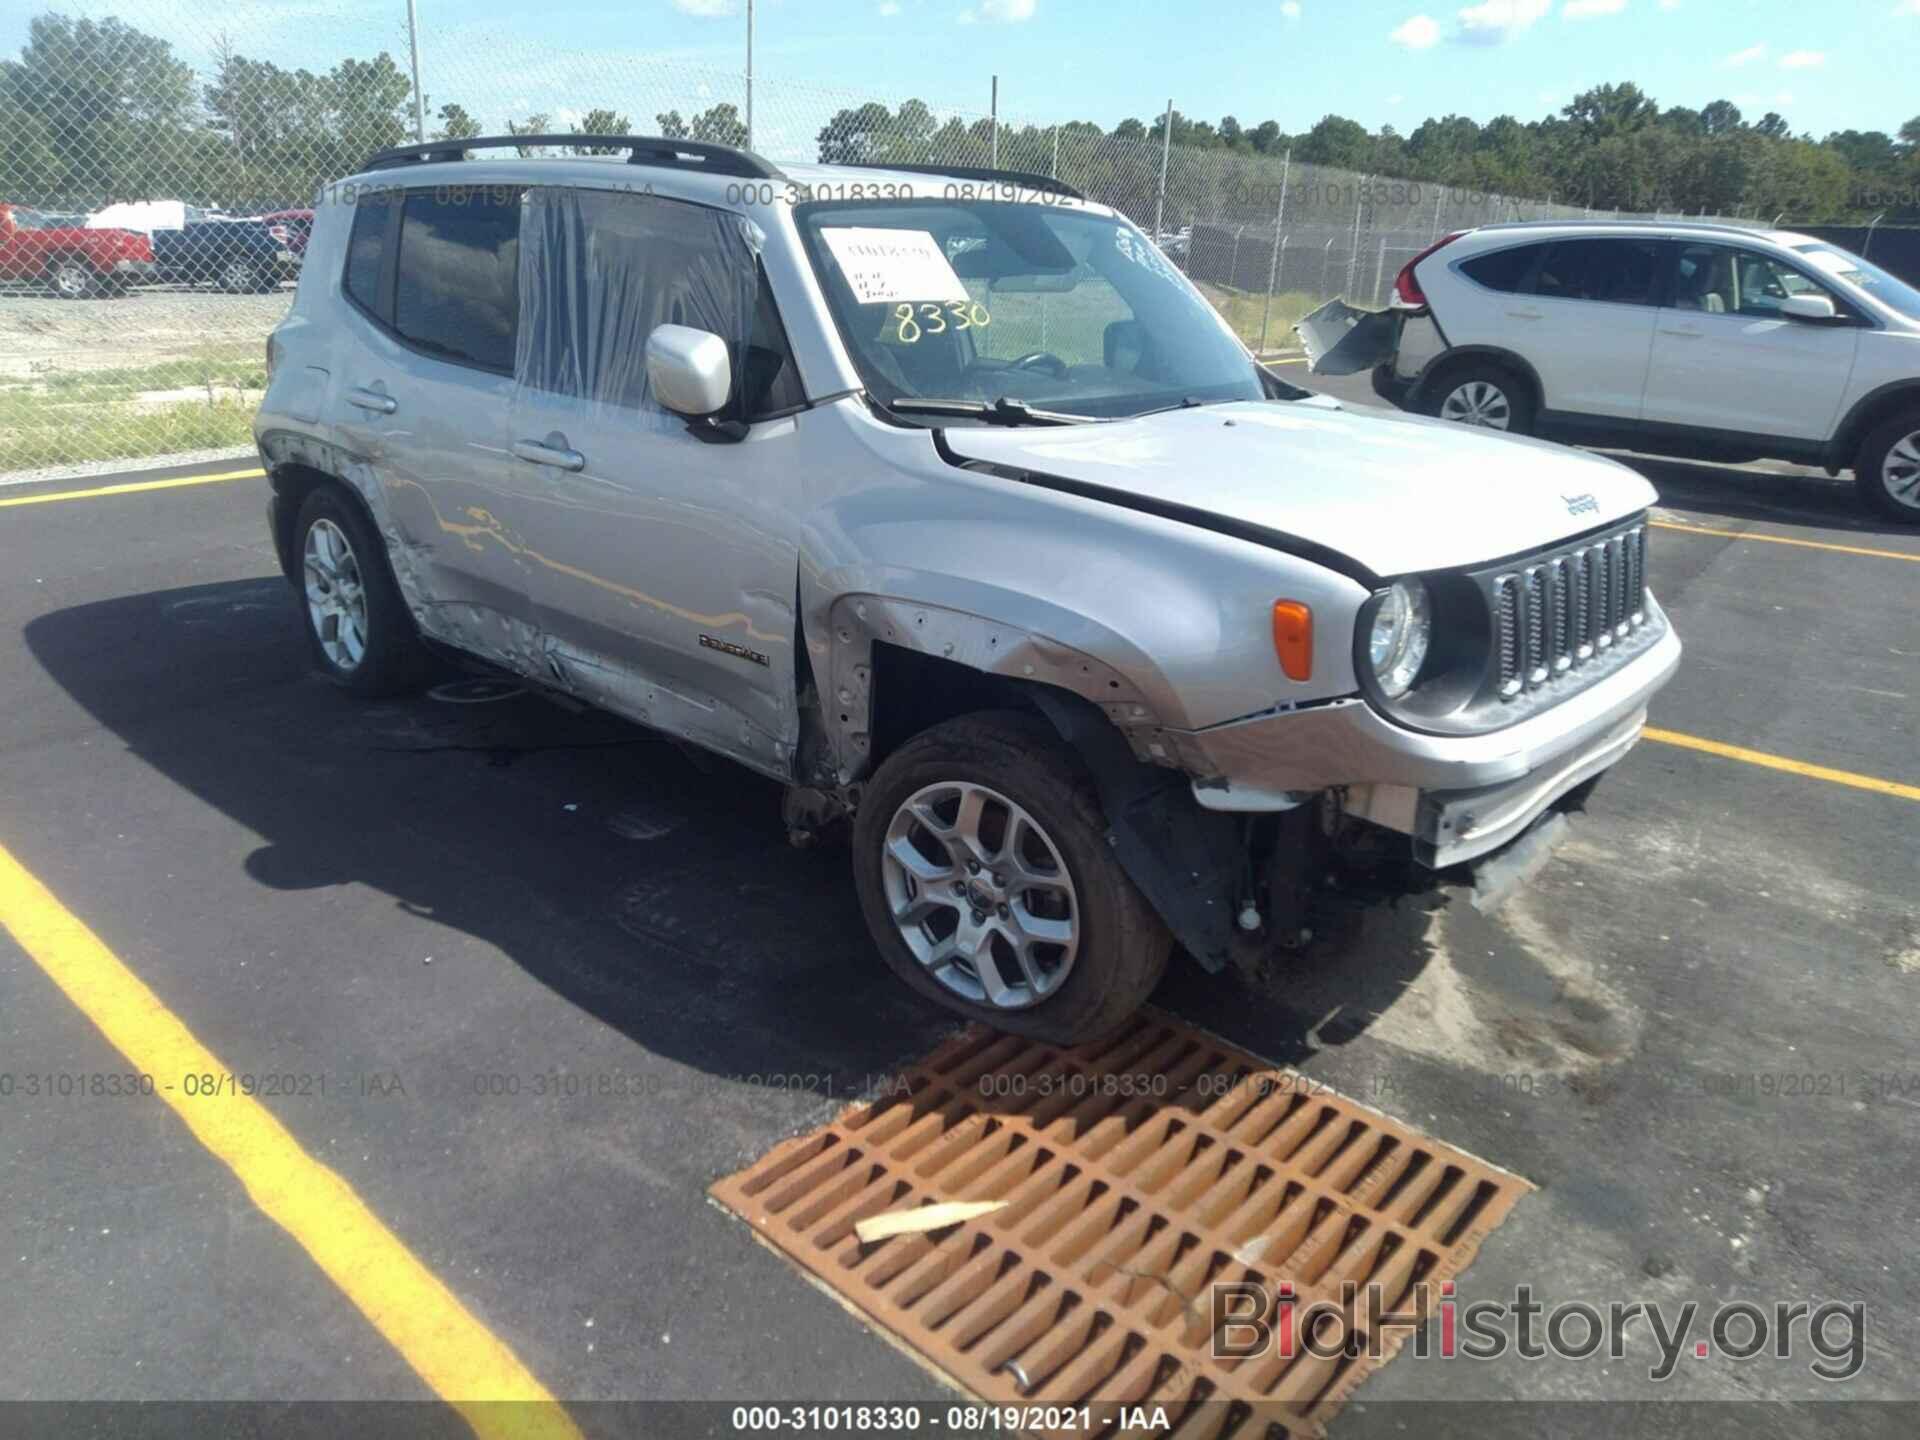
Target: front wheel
x=1887 y=470
x=983 y=869
x=1485 y=396
x=358 y=628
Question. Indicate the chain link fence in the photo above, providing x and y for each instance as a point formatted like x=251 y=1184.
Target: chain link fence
x=158 y=174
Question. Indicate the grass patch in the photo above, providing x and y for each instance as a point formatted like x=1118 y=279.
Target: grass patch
x=1243 y=310
x=69 y=417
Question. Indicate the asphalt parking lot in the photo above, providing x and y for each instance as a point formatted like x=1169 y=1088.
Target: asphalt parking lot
x=526 y=981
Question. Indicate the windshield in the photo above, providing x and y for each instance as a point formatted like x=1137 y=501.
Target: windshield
x=1045 y=305
x=1888 y=289
x=26 y=219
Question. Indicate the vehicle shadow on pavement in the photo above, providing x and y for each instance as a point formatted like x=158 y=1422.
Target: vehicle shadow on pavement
x=650 y=885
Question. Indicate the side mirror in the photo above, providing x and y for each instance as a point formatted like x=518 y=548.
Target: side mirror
x=1810 y=309
x=690 y=371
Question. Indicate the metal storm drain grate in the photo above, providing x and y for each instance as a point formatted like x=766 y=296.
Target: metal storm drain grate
x=1137 y=1175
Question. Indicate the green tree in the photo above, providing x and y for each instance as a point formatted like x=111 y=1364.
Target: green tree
x=720 y=125
x=600 y=122
x=538 y=123
x=456 y=124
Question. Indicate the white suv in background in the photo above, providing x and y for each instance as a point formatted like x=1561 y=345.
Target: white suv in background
x=1709 y=341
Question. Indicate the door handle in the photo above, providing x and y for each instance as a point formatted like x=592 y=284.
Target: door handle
x=551 y=451
x=1524 y=315
x=374 y=400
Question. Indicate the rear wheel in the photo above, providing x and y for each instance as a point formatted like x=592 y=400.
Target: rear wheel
x=358 y=628
x=1887 y=470
x=71 y=278
x=1484 y=395
x=981 y=860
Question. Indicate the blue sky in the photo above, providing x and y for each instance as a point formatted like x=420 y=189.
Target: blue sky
x=1378 y=61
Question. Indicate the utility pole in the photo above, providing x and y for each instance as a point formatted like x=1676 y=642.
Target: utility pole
x=993 y=123
x=1166 y=146
x=413 y=50
x=749 y=74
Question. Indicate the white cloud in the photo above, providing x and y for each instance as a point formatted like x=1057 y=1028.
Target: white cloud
x=1803 y=60
x=1492 y=21
x=705 y=9
x=889 y=7
x=1907 y=7
x=1745 y=57
x=1675 y=4
x=1395 y=99
x=1290 y=9
x=1422 y=32
x=1009 y=12
x=1587 y=9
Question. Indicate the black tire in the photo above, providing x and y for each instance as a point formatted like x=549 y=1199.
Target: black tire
x=1122 y=945
x=1515 y=394
x=71 y=278
x=1874 y=476
x=392 y=659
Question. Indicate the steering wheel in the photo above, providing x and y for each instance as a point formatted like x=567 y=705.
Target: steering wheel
x=1041 y=360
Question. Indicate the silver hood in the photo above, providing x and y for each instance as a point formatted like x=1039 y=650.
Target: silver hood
x=1395 y=493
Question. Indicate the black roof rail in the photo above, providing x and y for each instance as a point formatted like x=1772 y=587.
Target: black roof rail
x=1026 y=178
x=696 y=155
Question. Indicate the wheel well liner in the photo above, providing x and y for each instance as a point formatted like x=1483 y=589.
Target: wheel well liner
x=1872 y=408
x=1505 y=359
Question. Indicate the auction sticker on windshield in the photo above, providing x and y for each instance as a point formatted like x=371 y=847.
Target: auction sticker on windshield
x=884 y=266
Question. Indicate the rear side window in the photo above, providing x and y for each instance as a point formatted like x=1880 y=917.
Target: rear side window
x=365 y=246
x=459 y=259
x=1620 y=272
x=1503 y=270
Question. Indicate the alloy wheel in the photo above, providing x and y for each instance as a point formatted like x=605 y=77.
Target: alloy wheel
x=1478 y=402
x=336 y=597
x=1900 y=471
x=981 y=895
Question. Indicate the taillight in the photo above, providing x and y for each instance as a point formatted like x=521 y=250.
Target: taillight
x=279 y=232
x=1406 y=288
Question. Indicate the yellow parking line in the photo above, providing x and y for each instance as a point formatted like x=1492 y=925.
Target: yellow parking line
x=132 y=487
x=457 y=1356
x=1783 y=540
x=1780 y=762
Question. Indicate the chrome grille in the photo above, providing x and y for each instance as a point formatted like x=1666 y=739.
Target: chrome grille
x=1557 y=613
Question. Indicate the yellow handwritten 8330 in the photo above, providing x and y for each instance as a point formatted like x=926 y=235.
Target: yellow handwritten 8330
x=917 y=320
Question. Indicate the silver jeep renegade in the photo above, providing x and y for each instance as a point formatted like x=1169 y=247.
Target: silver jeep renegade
x=945 y=500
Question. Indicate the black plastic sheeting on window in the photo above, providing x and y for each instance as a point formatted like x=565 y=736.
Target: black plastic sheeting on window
x=1895 y=249
x=600 y=269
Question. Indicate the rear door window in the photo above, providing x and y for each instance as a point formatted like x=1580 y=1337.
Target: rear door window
x=366 y=251
x=1616 y=271
x=1503 y=270
x=457 y=293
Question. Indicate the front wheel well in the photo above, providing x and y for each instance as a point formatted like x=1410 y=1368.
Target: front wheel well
x=1871 y=415
x=913 y=692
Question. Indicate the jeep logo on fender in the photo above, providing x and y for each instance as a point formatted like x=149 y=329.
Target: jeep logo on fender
x=1581 y=504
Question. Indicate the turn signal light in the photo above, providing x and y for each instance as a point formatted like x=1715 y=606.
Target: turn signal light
x=1293 y=638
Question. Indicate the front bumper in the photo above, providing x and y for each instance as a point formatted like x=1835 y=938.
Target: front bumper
x=1457 y=796
x=134 y=269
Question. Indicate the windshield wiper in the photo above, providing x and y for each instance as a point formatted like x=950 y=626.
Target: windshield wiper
x=1004 y=411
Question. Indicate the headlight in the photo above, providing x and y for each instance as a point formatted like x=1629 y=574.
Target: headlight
x=1402 y=628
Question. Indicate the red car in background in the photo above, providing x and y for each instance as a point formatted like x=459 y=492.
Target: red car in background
x=291 y=228
x=70 y=261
